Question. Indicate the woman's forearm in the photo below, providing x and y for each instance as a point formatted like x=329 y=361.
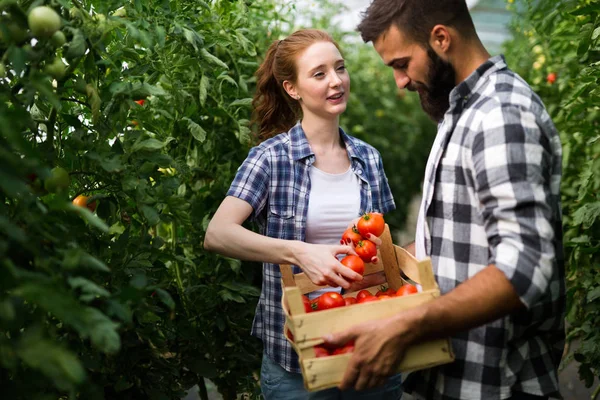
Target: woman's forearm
x=235 y=241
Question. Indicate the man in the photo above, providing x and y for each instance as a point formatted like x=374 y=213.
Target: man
x=490 y=217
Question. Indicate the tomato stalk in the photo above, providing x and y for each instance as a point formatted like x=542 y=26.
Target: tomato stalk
x=177 y=269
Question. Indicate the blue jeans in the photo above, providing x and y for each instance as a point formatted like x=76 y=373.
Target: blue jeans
x=278 y=384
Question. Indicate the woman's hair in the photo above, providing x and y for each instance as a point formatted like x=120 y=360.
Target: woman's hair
x=274 y=110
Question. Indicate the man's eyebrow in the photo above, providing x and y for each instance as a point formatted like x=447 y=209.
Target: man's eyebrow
x=395 y=60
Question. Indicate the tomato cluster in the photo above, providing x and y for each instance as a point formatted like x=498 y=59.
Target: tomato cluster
x=369 y=223
x=331 y=300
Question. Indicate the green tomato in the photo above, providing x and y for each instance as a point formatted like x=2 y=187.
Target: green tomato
x=57 y=69
x=57 y=181
x=43 y=21
x=58 y=39
x=2 y=70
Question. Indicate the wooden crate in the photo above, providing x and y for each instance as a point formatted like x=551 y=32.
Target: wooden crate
x=308 y=328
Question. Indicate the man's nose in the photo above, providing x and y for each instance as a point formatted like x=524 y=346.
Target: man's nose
x=401 y=79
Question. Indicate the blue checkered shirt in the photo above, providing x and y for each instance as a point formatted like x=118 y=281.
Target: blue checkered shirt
x=491 y=196
x=274 y=180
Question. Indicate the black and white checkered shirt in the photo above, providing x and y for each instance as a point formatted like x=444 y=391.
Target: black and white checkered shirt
x=491 y=196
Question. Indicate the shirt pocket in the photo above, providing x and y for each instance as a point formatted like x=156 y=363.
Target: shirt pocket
x=281 y=221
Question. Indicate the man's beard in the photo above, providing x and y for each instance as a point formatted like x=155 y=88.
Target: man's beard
x=434 y=95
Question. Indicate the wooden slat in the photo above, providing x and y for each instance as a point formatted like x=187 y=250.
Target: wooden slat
x=306 y=286
x=408 y=264
x=326 y=372
x=426 y=274
x=287 y=276
x=317 y=324
x=390 y=261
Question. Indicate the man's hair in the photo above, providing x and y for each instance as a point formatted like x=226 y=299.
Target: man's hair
x=415 y=18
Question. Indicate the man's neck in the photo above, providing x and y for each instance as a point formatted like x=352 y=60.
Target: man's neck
x=471 y=56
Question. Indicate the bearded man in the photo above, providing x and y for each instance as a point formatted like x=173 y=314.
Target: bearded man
x=490 y=218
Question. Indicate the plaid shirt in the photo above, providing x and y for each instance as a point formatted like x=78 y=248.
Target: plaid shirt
x=491 y=196
x=274 y=180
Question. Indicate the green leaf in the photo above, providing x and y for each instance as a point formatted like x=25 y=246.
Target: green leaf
x=197 y=131
x=247 y=102
x=593 y=294
x=166 y=298
x=77 y=46
x=149 y=144
x=213 y=59
x=150 y=214
x=204 y=83
x=587 y=214
x=87 y=215
x=89 y=289
x=56 y=362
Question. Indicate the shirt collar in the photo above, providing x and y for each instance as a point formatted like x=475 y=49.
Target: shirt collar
x=300 y=148
x=470 y=85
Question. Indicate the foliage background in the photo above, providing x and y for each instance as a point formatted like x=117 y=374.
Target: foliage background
x=123 y=302
x=563 y=38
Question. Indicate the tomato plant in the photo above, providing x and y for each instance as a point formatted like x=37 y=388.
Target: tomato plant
x=366 y=250
x=355 y=263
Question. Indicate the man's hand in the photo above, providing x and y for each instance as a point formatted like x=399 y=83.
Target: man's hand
x=379 y=346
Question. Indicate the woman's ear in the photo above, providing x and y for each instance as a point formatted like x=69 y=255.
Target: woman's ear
x=290 y=90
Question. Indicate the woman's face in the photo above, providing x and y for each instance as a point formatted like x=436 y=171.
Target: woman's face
x=323 y=83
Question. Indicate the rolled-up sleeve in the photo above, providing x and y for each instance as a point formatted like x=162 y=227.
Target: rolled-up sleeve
x=512 y=163
x=251 y=182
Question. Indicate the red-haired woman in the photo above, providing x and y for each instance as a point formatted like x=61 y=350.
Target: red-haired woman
x=303 y=184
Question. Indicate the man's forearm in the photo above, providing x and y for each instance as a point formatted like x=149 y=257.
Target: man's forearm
x=483 y=298
x=410 y=248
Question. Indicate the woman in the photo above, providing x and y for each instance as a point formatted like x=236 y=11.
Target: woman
x=303 y=185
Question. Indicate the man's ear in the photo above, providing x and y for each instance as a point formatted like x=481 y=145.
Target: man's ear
x=290 y=89
x=440 y=40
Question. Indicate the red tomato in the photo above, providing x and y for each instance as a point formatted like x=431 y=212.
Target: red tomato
x=351 y=235
x=330 y=300
x=384 y=296
x=289 y=334
x=367 y=299
x=140 y=102
x=354 y=263
x=551 y=78
x=366 y=250
x=372 y=223
x=321 y=351
x=362 y=294
x=307 y=304
x=386 y=291
x=350 y=300
x=349 y=348
x=406 y=289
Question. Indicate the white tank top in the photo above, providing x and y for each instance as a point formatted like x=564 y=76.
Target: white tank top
x=334 y=201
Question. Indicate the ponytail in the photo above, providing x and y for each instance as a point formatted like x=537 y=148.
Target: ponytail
x=274 y=111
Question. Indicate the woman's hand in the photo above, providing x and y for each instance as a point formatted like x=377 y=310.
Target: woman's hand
x=320 y=264
x=369 y=237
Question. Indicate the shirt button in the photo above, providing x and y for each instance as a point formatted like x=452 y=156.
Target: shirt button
x=360 y=171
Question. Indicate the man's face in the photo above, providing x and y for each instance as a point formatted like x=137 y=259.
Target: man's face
x=419 y=70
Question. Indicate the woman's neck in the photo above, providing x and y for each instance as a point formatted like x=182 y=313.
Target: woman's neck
x=322 y=134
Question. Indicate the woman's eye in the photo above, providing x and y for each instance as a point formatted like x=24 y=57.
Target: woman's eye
x=319 y=75
x=341 y=68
